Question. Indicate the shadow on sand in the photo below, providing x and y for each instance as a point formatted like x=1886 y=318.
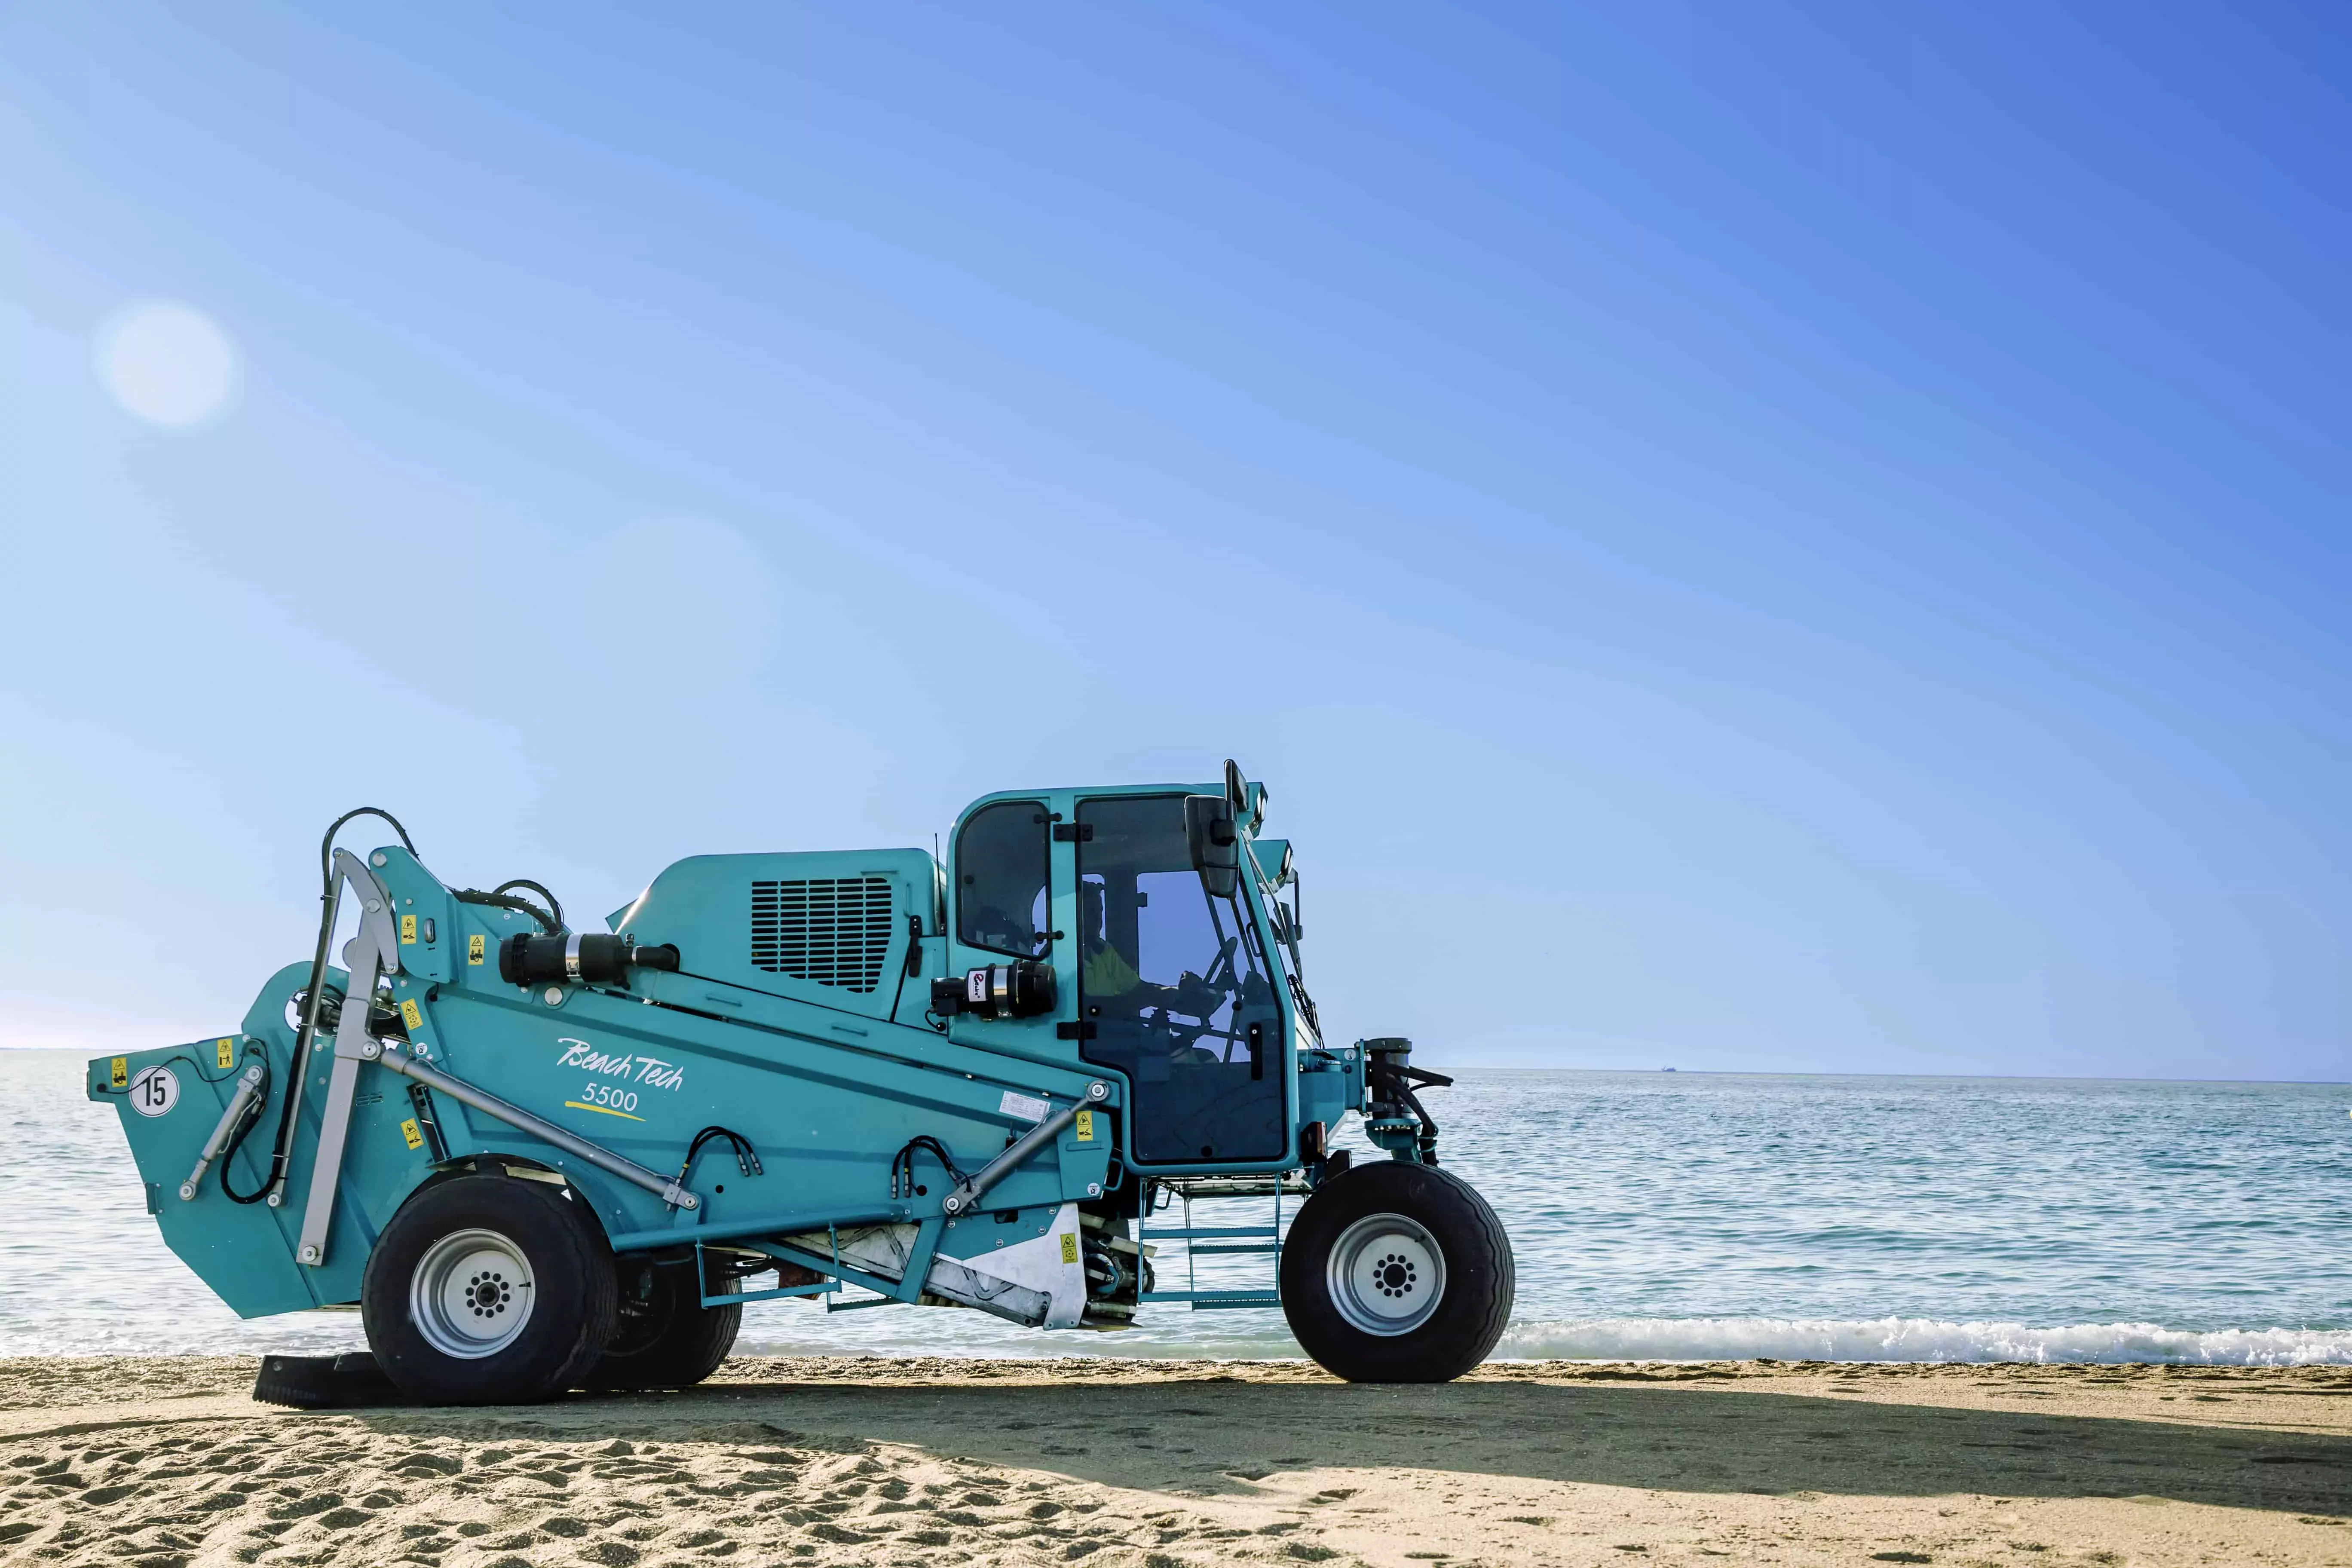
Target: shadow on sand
x=1209 y=1436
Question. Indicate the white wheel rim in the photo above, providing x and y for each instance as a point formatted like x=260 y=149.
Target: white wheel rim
x=471 y=1294
x=1386 y=1274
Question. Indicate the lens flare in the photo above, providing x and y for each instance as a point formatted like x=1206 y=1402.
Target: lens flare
x=167 y=363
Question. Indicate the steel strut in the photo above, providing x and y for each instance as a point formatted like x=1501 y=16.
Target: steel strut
x=371 y=954
x=976 y=1185
x=248 y=1088
x=664 y=1187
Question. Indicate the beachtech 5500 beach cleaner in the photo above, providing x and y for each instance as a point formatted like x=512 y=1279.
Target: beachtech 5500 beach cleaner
x=541 y=1159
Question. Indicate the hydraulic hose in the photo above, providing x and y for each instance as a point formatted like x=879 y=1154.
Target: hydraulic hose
x=282 y=1149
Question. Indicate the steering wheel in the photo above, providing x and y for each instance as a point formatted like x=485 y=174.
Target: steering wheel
x=995 y=924
x=1224 y=961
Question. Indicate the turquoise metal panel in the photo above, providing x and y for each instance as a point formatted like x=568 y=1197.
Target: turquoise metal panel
x=237 y=1250
x=428 y=933
x=702 y=905
x=826 y=1095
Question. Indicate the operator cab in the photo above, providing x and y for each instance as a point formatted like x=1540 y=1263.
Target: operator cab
x=1173 y=963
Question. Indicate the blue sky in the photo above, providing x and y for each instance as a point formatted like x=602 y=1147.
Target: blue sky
x=1785 y=537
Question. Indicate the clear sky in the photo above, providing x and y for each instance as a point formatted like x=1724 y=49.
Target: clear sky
x=1738 y=535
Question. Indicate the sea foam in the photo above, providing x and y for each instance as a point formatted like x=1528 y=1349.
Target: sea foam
x=1915 y=1340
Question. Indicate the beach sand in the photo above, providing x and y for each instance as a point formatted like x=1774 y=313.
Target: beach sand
x=162 y=1463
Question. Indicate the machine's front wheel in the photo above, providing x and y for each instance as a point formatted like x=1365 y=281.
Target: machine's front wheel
x=666 y=1338
x=1397 y=1273
x=486 y=1290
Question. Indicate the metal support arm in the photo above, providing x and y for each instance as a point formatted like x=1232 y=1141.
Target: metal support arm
x=249 y=1088
x=371 y=954
x=572 y=1143
x=944 y=1277
x=967 y=1197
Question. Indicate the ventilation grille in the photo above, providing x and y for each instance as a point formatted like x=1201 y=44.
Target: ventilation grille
x=834 y=931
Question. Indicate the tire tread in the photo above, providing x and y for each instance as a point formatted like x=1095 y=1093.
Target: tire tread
x=569 y=1255
x=1450 y=1343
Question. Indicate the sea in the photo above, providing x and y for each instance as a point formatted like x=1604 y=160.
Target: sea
x=1652 y=1215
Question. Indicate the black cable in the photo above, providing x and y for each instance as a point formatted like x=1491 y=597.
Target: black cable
x=551 y=923
x=536 y=888
x=194 y=1067
x=1305 y=1004
x=326 y=845
x=245 y=1124
x=904 y=1161
x=747 y=1159
x=1396 y=1082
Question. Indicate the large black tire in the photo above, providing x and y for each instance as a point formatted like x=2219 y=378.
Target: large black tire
x=666 y=1336
x=1397 y=1273
x=488 y=1290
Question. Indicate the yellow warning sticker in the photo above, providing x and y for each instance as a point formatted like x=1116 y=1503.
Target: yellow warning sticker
x=122 y=1072
x=1085 y=1126
x=411 y=1014
x=474 y=945
x=411 y=1131
x=225 y=1052
x=408 y=931
x=1069 y=1248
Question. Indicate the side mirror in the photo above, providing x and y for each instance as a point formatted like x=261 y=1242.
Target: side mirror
x=1215 y=843
x=1248 y=800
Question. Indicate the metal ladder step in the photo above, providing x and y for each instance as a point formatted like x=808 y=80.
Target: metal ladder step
x=1188 y=1232
x=1211 y=1242
x=1202 y=1300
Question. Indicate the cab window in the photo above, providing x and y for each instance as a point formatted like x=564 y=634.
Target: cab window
x=1002 y=856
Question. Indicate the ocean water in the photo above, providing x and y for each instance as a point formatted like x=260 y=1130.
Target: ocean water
x=1673 y=1216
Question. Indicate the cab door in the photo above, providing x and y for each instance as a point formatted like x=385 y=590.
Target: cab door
x=1001 y=875
x=1174 y=990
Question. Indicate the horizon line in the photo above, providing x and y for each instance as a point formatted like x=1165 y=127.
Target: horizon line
x=1769 y=1072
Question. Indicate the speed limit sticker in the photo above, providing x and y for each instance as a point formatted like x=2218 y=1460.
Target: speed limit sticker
x=154 y=1091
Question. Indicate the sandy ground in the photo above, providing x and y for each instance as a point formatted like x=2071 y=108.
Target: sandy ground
x=163 y=1463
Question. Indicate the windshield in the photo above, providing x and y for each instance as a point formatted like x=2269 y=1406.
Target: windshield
x=1281 y=922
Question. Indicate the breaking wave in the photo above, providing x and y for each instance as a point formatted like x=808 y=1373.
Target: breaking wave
x=1915 y=1340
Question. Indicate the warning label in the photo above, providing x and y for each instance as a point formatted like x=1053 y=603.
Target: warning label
x=1023 y=1107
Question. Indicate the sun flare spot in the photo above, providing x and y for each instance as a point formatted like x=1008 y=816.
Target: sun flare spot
x=167 y=363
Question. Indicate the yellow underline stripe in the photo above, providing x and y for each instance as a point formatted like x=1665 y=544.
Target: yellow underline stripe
x=600 y=1110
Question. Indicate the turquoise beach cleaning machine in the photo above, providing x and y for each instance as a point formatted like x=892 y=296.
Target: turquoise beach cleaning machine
x=540 y=1158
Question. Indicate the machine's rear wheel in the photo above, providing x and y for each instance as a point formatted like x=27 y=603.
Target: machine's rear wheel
x=666 y=1336
x=1397 y=1273
x=486 y=1290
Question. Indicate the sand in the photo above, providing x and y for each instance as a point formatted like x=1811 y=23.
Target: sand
x=161 y=1463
